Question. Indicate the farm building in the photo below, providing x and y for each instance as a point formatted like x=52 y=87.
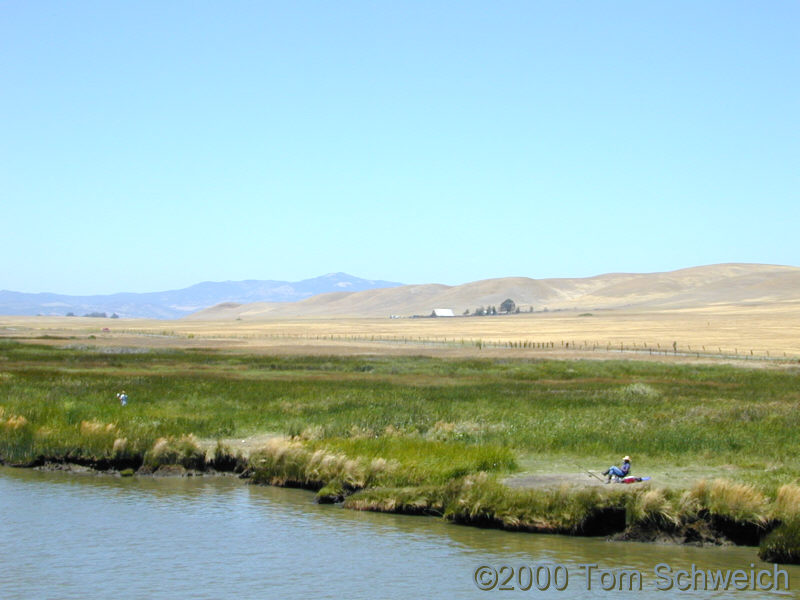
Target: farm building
x=443 y=312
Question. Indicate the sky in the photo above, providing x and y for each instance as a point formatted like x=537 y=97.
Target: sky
x=152 y=145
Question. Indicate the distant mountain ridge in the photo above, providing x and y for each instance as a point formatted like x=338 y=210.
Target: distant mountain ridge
x=724 y=284
x=174 y=304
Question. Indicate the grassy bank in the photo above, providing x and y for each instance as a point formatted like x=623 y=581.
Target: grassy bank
x=426 y=435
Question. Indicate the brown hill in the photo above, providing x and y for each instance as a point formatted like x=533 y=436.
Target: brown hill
x=726 y=284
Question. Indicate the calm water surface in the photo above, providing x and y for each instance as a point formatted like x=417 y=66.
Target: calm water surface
x=82 y=536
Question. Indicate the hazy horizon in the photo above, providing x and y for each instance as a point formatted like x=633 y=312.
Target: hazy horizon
x=380 y=279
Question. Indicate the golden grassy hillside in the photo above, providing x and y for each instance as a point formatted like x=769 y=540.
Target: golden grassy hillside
x=737 y=284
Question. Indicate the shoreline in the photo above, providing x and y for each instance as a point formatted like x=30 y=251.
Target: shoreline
x=609 y=523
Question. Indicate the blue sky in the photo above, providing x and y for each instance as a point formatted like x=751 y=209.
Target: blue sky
x=153 y=145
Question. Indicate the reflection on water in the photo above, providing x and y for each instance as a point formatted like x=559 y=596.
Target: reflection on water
x=75 y=536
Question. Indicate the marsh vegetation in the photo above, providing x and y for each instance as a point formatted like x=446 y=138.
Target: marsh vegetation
x=432 y=435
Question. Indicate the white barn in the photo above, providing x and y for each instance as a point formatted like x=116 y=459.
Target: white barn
x=443 y=312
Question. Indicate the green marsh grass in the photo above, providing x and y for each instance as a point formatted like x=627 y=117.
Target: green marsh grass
x=437 y=433
x=680 y=414
x=699 y=414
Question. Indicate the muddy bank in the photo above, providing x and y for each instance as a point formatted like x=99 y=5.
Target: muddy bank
x=703 y=530
x=135 y=465
x=161 y=471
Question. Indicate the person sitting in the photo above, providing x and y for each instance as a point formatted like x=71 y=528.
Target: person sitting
x=618 y=473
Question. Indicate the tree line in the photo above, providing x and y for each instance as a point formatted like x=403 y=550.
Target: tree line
x=507 y=307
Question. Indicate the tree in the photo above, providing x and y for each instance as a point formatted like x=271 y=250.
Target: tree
x=508 y=306
x=480 y=311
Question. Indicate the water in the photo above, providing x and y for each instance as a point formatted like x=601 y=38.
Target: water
x=66 y=536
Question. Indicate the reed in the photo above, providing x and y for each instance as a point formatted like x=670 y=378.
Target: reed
x=183 y=451
x=653 y=507
x=224 y=458
x=787 y=503
x=739 y=502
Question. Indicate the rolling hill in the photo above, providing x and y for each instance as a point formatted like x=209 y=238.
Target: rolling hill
x=723 y=284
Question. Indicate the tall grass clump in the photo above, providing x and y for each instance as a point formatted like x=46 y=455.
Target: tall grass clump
x=738 y=502
x=224 y=459
x=787 y=503
x=183 y=451
x=285 y=463
x=782 y=545
x=652 y=507
x=738 y=511
x=290 y=463
x=16 y=438
x=121 y=449
x=97 y=439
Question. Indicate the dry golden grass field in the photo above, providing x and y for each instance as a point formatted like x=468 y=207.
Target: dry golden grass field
x=756 y=333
